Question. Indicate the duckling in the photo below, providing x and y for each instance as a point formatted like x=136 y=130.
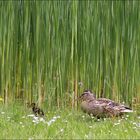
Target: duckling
x=101 y=107
x=36 y=110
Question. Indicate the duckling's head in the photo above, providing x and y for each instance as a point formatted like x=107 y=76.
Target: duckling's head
x=33 y=104
x=87 y=95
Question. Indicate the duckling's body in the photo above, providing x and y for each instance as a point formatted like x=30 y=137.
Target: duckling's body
x=36 y=110
x=101 y=107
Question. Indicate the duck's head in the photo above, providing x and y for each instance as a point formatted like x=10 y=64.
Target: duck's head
x=31 y=105
x=87 y=95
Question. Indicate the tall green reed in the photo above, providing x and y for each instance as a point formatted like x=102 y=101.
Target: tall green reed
x=50 y=51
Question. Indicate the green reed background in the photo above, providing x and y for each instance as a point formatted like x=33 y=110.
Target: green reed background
x=50 y=51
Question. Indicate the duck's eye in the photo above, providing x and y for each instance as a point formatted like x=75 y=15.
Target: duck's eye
x=84 y=94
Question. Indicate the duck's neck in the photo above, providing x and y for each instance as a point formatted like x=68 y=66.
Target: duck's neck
x=90 y=99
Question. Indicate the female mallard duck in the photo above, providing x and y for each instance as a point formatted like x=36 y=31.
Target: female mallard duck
x=101 y=107
x=36 y=110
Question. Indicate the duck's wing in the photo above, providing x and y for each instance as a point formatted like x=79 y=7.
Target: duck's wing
x=93 y=107
x=107 y=102
x=116 y=110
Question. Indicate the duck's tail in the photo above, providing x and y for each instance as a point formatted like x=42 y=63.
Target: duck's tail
x=126 y=109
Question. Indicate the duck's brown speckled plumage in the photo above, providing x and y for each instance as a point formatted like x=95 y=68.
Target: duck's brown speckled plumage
x=101 y=107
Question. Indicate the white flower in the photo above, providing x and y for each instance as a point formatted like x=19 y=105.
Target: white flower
x=57 y=117
x=49 y=123
x=69 y=114
x=65 y=121
x=123 y=102
x=104 y=119
x=54 y=117
x=138 y=124
x=35 y=118
x=42 y=120
x=8 y=118
x=116 y=123
x=31 y=115
x=61 y=130
x=2 y=112
x=83 y=116
x=21 y=122
x=53 y=120
x=134 y=128
x=90 y=126
x=119 y=121
x=36 y=122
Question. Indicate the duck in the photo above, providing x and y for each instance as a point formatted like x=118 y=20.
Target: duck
x=101 y=107
x=36 y=110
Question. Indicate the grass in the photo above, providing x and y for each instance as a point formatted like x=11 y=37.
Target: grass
x=48 y=47
x=68 y=124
